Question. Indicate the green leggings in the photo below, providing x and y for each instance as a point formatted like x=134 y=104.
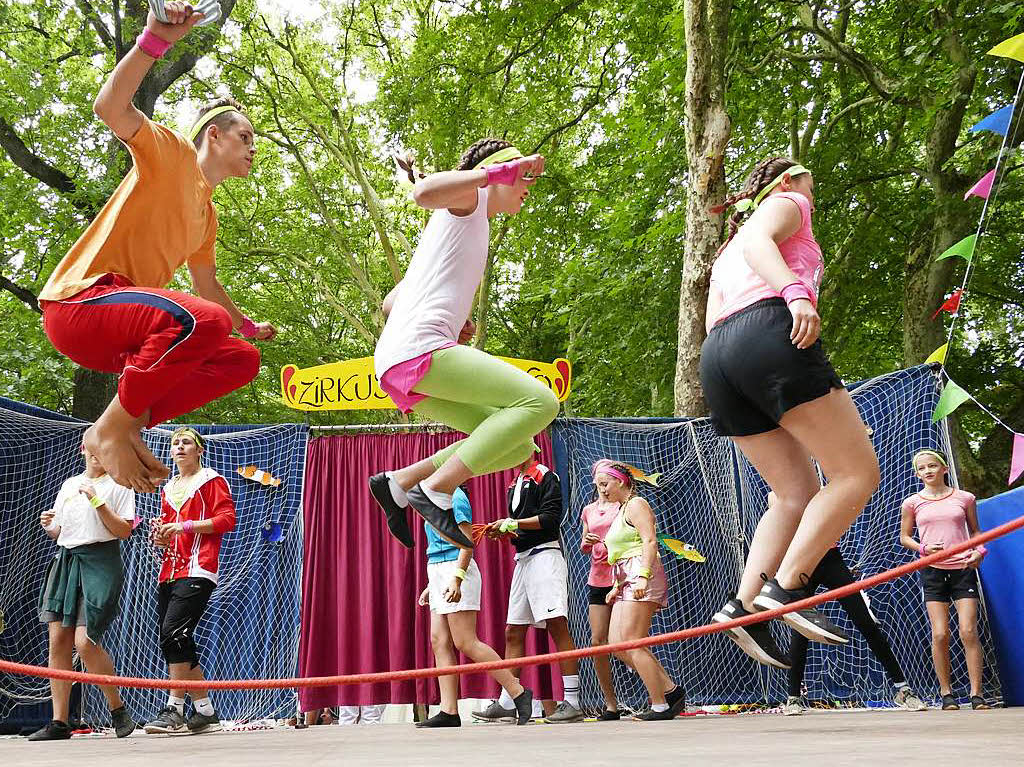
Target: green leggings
x=499 y=406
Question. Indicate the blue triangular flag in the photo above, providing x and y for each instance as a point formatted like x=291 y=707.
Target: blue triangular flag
x=997 y=122
x=273 y=532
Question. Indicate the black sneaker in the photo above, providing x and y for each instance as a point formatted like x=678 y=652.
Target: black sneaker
x=496 y=712
x=198 y=723
x=809 y=622
x=55 y=730
x=442 y=520
x=949 y=703
x=610 y=716
x=398 y=522
x=524 y=707
x=441 y=719
x=978 y=703
x=650 y=715
x=123 y=723
x=167 y=721
x=755 y=639
x=676 y=699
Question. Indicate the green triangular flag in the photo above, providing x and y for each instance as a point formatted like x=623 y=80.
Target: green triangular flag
x=951 y=398
x=964 y=249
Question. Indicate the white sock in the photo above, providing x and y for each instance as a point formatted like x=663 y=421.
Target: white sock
x=901 y=685
x=396 y=491
x=505 y=701
x=177 y=704
x=571 y=686
x=659 y=707
x=441 y=500
x=203 y=706
x=538 y=709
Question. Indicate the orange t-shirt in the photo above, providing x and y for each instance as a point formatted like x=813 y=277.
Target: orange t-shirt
x=160 y=216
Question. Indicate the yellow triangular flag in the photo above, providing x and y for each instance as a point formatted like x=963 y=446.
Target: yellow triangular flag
x=1011 y=49
x=939 y=355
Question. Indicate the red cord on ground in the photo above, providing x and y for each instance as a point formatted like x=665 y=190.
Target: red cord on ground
x=469 y=668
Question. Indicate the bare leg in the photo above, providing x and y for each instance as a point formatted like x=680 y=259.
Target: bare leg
x=463 y=630
x=938 y=614
x=444 y=655
x=185 y=671
x=558 y=630
x=62 y=641
x=97 y=661
x=967 y=620
x=451 y=474
x=412 y=475
x=600 y=616
x=786 y=466
x=632 y=620
x=515 y=644
x=116 y=440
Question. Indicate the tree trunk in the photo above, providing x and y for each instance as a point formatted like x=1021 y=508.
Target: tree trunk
x=92 y=393
x=707 y=135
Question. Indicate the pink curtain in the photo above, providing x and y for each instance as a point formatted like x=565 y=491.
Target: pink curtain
x=359 y=586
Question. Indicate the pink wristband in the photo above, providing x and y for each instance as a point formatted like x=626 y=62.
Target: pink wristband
x=248 y=328
x=152 y=45
x=924 y=550
x=187 y=525
x=506 y=173
x=981 y=549
x=795 y=291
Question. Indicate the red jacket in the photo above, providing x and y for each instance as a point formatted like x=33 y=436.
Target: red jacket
x=194 y=555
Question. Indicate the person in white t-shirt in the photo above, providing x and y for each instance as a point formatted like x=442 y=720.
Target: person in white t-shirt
x=82 y=587
x=421 y=358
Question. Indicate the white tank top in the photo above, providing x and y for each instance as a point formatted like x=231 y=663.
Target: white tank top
x=436 y=295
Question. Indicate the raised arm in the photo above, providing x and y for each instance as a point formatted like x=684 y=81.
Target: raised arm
x=114 y=105
x=456 y=189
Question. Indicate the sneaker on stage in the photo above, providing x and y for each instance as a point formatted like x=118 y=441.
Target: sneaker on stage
x=53 y=731
x=441 y=719
x=676 y=699
x=910 y=700
x=168 y=721
x=122 y=721
x=199 y=723
x=609 y=716
x=650 y=715
x=397 y=518
x=794 y=706
x=565 y=713
x=524 y=706
x=808 y=622
x=495 y=712
x=442 y=520
x=755 y=639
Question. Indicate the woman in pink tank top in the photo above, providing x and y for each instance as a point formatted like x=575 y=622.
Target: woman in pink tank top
x=770 y=388
x=945 y=516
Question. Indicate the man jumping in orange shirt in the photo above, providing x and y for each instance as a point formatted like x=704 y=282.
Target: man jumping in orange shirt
x=105 y=306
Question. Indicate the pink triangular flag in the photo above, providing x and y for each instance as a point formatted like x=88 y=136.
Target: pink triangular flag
x=1017 y=459
x=983 y=187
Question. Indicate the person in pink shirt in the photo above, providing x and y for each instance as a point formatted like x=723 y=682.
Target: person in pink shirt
x=597 y=517
x=770 y=388
x=945 y=516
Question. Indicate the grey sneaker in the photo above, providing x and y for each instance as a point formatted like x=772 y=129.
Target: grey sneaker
x=495 y=713
x=53 y=731
x=808 y=621
x=122 y=721
x=198 y=723
x=565 y=713
x=167 y=721
x=908 y=699
x=794 y=706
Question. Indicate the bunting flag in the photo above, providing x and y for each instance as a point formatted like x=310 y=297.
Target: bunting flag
x=984 y=186
x=964 y=249
x=1013 y=48
x=997 y=122
x=1017 y=459
x=951 y=305
x=939 y=355
x=951 y=398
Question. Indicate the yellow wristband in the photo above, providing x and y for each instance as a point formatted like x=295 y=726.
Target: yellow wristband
x=96 y=501
x=460 y=573
x=644 y=572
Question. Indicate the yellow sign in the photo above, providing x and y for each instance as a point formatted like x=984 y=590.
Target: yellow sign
x=351 y=385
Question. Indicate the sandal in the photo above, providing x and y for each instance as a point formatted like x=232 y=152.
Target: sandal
x=978 y=703
x=949 y=703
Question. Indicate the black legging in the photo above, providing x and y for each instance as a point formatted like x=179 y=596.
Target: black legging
x=832 y=573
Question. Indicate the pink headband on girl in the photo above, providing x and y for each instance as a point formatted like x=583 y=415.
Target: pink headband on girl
x=604 y=466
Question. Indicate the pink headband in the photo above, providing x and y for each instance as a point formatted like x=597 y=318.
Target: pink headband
x=605 y=467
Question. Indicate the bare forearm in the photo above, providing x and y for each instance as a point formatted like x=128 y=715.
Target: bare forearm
x=650 y=553
x=530 y=523
x=449 y=189
x=214 y=291
x=764 y=257
x=118 y=527
x=909 y=542
x=114 y=103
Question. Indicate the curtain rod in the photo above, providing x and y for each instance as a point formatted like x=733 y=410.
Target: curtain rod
x=378 y=427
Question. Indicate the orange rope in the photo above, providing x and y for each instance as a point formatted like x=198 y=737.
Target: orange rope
x=470 y=668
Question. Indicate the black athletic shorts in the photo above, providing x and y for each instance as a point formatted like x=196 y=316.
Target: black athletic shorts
x=596 y=594
x=180 y=605
x=950 y=585
x=752 y=373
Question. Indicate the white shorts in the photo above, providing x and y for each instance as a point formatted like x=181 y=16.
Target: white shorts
x=540 y=588
x=439 y=578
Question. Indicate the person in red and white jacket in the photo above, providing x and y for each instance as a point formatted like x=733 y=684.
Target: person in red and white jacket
x=196 y=510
